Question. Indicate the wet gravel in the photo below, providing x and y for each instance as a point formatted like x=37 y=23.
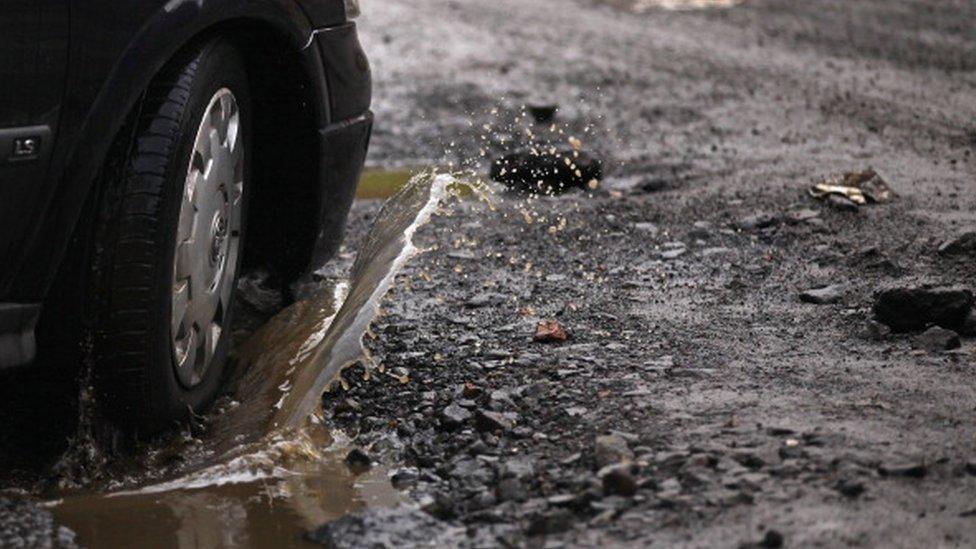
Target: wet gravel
x=726 y=378
x=723 y=381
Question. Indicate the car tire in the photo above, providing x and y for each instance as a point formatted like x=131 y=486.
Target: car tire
x=156 y=276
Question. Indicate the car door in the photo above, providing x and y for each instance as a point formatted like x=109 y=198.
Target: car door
x=33 y=54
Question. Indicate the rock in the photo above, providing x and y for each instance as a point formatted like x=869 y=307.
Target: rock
x=970 y=467
x=491 y=422
x=551 y=522
x=772 y=540
x=874 y=331
x=964 y=244
x=386 y=527
x=510 y=489
x=841 y=203
x=910 y=469
x=759 y=220
x=485 y=299
x=539 y=170
x=802 y=215
x=543 y=114
x=653 y=185
x=550 y=331
x=347 y=405
x=358 y=460
x=24 y=523
x=968 y=328
x=673 y=254
x=453 y=415
x=748 y=458
x=914 y=309
x=823 y=296
x=851 y=488
x=611 y=449
x=618 y=480
x=404 y=478
x=936 y=339
x=646 y=227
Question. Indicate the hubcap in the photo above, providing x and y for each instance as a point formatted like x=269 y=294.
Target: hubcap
x=208 y=239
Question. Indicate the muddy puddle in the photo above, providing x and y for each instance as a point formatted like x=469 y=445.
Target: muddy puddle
x=265 y=470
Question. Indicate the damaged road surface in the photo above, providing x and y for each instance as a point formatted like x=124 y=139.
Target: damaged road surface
x=692 y=352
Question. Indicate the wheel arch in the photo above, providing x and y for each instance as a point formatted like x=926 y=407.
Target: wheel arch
x=282 y=62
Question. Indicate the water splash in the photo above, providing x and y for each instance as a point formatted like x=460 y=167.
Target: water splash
x=292 y=359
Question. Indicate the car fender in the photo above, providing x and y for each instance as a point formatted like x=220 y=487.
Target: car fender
x=102 y=98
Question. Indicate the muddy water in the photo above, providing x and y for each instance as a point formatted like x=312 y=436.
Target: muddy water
x=266 y=470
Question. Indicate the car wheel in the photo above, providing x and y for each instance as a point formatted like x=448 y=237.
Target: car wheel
x=168 y=246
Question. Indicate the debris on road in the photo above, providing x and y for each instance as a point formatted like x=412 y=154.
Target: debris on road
x=875 y=331
x=358 y=460
x=823 y=296
x=911 y=469
x=544 y=169
x=857 y=188
x=915 y=309
x=936 y=339
x=618 y=480
x=543 y=114
x=759 y=220
x=611 y=449
x=550 y=331
x=964 y=244
x=452 y=416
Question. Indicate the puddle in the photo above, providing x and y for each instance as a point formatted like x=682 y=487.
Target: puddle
x=265 y=470
x=382 y=183
x=262 y=512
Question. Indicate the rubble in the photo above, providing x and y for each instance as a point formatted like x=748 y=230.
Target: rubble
x=610 y=450
x=550 y=331
x=358 y=460
x=936 y=339
x=855 y=188
x=964 y=244
x=825 y=295
x=911 y=309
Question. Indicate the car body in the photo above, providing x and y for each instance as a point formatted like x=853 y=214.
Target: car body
x=72 y=74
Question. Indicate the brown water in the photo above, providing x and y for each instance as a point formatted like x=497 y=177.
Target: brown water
x=267 y=471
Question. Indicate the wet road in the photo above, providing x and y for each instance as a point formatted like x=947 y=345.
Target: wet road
x=697 y=359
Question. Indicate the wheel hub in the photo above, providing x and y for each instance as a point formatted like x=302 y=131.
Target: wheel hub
x=208 y=239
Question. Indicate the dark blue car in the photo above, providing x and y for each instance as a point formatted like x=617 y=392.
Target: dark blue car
x=149 y=151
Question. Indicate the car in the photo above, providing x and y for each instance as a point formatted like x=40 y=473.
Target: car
x=150 y=152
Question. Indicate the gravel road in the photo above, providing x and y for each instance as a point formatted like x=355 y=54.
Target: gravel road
x=698 y=400
x=722 y=382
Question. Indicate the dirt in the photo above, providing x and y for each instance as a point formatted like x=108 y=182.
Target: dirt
x=697 y=399
x=741 y=414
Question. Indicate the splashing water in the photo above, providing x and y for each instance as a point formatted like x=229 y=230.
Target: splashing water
x=294 y=357
x=268 y=445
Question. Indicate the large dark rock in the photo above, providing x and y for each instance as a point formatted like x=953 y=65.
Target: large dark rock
x=915 y=309
x=541 y=171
